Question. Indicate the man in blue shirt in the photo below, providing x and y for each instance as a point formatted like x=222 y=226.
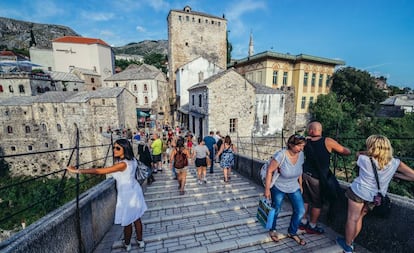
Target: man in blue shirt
x=210 y=142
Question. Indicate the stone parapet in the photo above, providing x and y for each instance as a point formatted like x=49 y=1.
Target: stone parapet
x=377 y=235
x=59 y=231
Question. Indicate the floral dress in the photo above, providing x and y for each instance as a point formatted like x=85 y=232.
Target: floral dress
x=227 y=158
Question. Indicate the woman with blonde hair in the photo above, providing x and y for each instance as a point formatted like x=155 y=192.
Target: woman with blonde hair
x=361 y=193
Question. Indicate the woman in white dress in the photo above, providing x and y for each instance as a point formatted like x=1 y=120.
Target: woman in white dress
x=130 y=202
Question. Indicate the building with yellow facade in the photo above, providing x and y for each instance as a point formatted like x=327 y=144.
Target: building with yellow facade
x=309 y=75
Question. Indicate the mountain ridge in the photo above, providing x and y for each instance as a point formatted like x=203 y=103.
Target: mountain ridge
x=18 y=34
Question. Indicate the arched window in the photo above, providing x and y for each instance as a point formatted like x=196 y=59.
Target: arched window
x=59 y=127
x=136 y=100
x=92 y=80
x=145 y=87
x=1 y=88
x=103 y=101
x=44 y=128
x=27 y=129
x=11 y=89
x=146 y=100
x=9 y=129
x=135 y=87
x=200 y=101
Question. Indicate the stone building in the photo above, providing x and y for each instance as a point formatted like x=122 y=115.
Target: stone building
x=20 y=84
x=149 y=86
x=192 y=34
x=66 y=81
x=213 y=105
x=91 y=78
x=86 y=53
x=188 y=75
x=308 y=75
x=48 y=122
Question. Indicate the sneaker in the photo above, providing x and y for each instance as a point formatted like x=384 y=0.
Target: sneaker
x=141 y=244
x=127 y=246
x=199 y=182
x=316 y=230
x=341 y=242
x=205 y=181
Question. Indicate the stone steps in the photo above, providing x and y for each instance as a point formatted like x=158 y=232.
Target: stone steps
x=213 y=217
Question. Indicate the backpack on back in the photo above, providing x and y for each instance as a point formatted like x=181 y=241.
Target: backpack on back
x=180 y=159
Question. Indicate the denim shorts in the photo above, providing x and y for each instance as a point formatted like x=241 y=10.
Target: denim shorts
x=352 y=196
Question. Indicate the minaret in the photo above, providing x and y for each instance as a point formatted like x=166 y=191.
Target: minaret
x=251 y=50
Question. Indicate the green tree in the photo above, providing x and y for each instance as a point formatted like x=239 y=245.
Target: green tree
x=157 y=60
x=4 y=166
x=358 y=88
x=328 y=111
x=123 y=64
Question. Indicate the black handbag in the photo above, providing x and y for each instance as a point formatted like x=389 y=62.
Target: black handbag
x=382 y=203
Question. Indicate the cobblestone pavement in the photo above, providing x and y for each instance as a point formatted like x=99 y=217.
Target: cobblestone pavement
x=212 y=217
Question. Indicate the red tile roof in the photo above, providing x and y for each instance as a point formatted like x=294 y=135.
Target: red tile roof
x=80 y=40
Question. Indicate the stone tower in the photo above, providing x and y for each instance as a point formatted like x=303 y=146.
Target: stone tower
x=192 y=34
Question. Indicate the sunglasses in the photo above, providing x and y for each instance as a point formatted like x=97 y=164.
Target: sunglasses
x=117 y=148
x=300 y=137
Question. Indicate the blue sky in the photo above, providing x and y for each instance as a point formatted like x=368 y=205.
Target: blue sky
x=372 y=35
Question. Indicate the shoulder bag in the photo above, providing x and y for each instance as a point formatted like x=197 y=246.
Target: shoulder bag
x=382 y=203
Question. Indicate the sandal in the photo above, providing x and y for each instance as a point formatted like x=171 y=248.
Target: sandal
x=297 y=239
x=274 y=236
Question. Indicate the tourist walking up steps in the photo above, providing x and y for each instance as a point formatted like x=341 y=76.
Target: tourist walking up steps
x=317 y=151
x=361 y=193
x=210 y=142
x=226 y=151
x=156 y=146
x=200 y=155
x=288 y=163
x=130 y=203
x=145 y=157
x=179 y=160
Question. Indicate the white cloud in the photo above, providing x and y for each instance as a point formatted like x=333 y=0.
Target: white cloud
x=159 y=5
x=107 y=33
x=235 y=13
x=140 y=29
x=97 y=16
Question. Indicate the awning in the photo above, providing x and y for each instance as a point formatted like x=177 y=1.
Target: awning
x=9 y=63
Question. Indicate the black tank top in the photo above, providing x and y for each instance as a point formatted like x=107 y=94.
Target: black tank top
x=316 y=150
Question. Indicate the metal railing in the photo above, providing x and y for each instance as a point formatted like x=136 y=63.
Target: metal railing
x=24 y=199
x=344 y=167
